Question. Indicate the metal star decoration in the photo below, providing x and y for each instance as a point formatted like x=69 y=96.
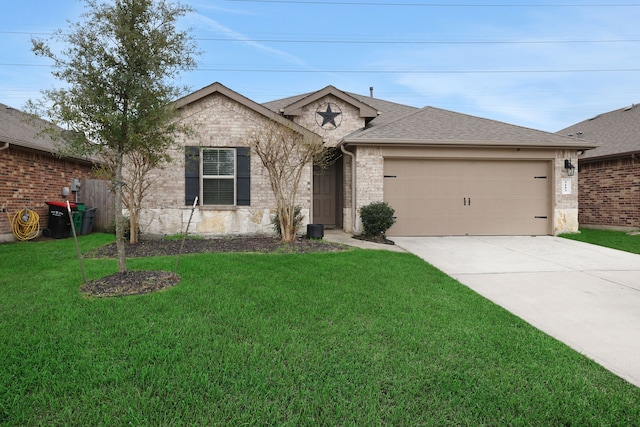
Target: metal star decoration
x=328 y=116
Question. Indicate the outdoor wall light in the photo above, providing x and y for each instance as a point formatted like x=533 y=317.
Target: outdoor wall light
x=569 y=167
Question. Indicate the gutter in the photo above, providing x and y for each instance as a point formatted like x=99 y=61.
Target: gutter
x=354 y=205
x=5 y=146
x=393 y=142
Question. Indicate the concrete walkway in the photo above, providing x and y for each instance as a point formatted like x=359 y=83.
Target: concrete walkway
x=584 y=295
x=339 y=236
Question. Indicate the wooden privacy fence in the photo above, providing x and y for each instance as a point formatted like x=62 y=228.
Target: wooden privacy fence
x=96 y=193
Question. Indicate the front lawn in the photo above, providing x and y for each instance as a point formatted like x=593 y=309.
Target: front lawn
x=347 y=338
x=621 y=240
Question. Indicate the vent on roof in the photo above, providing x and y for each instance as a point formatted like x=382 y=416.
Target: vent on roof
x=630 y=107
x=593 y=118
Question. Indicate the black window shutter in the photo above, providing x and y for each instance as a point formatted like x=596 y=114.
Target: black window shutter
x=191 y=174
x=243 y=177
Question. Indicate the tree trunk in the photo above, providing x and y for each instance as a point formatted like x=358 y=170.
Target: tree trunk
x=134 y=213
x=117 y=187
x=286 y=225
x=134 y=222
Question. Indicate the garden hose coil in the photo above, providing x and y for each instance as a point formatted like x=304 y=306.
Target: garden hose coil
x=25 y=224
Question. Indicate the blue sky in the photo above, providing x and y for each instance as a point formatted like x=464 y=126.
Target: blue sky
x=530 y=63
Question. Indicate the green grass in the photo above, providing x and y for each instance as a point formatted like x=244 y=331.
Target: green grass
x=353 y=338
x=180 y=236
x=621 y=240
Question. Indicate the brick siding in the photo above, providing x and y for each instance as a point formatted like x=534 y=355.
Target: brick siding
x=610 y=193
x=29 y=179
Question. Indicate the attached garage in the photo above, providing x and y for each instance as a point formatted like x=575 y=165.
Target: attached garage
x=451 y=174
x=436 y=197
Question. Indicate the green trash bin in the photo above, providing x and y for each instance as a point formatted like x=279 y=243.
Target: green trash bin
x=77 y=214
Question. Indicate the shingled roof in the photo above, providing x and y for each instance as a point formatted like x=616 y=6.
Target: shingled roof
x=23 y=130
x=404 y=124
x=618 y=131
x=19 y=128
x=434 y=126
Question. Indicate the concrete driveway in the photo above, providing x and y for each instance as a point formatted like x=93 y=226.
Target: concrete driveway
x=584 y=295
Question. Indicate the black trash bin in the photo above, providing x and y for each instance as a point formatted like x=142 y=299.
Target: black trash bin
x=59 y=224
x=87 y=220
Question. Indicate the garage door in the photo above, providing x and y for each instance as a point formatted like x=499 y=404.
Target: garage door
x=468 y=197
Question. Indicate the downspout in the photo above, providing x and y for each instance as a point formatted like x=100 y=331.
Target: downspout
x=354 y=215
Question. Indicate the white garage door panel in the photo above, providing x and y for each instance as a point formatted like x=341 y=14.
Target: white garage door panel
x=459 y=197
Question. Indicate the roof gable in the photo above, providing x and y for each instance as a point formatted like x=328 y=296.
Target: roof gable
x=295 y=108
x=246 y=102
x=618 y=131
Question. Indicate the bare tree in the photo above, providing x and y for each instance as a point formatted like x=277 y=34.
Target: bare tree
x=136 y=176
x=117 y=71
x=285 y=153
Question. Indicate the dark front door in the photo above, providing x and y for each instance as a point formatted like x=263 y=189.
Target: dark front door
x=325 y=200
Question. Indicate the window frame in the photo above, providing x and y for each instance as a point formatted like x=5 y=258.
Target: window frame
x=233 y=176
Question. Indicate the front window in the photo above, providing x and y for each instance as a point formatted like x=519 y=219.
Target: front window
x=218 y=176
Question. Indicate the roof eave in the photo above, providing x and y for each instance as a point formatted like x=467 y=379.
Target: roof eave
x=36 y=148
x=469 y=143
x=633 y=154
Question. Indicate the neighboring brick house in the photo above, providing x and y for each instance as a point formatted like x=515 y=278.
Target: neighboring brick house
x=31 y=173
x=444 y=173
x=609 y=175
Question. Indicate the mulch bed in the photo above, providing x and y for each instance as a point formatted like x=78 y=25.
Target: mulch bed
x=143 y=282
x=147 y=248
x=130 y=283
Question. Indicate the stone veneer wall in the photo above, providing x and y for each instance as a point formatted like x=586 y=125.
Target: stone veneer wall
x=610 y=193
x=369 y=179
x=218 y=122
x=565 y=208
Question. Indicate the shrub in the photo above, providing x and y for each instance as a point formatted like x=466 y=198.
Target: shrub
x=377 y=218
x=297 y=221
